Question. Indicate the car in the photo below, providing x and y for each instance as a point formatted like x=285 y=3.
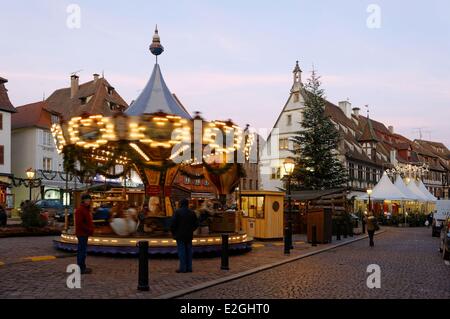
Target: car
x=61 y=215
x=54 y=207
x=445 y=240
x=440 y=215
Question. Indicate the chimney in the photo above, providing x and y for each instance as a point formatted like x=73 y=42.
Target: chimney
x=346 y=107
x=96 y=76
x=356 y=111
x=391 y=129
x=393 y=157
x=73 y=86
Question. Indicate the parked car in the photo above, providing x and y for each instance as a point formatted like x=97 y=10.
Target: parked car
x=54 y=207
x=445 y=240
x=61 y=215
x=440 y=215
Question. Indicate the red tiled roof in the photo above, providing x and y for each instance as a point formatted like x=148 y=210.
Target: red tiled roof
x=61 y=102
x=32 y=115
x=5 y=103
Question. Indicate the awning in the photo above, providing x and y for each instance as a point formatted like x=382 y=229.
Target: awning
x=412 y=186
x=426 y=192
x=385 y=190
x=400 y=184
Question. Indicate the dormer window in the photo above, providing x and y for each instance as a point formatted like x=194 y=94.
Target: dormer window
x=55 y=119
x=110 y=90
x=83 y=100
x=112 y=106
x=368 y=149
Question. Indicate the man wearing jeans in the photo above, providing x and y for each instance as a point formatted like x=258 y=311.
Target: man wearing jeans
x=84 y=227
x=184 y=223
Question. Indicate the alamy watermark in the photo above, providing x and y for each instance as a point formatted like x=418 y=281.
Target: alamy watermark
x=73 y=20
x=374 y=278
x=374 y=19
x=74 y=279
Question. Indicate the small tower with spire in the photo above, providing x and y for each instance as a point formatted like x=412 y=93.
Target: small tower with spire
x=156 y=48
x=297 y=78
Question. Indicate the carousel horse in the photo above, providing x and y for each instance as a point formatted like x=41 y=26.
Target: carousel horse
x=127 y=225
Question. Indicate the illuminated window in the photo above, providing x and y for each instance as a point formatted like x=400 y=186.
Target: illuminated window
x=47 y=164
x=284 y=143
x=276 y=173
x=253 y=206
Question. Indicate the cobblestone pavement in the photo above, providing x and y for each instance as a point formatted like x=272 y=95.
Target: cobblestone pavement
x=116 y=277
x=411 y=267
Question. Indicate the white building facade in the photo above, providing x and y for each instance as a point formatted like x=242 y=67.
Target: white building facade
x=6 y=109
x=278 y=145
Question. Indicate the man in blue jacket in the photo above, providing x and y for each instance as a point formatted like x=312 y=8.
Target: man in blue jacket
x=184 y=223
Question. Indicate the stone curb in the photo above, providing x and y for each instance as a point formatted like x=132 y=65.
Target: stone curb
x=216 y=282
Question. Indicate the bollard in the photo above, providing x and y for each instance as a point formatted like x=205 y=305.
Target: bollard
x=225 y=263
x=350 y=228
x=287 y=244
x=345 y=229
x=338 y=231
x=363 y=226
x=143 y=266
x=314 y=235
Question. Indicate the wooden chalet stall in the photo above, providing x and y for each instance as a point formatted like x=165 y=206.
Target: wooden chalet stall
x=319 y=208
x=262 y=214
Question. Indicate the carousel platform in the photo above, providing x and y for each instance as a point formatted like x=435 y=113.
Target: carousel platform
x=158 y=244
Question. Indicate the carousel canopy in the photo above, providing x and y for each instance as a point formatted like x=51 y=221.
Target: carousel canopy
x=425 y=191
x=385 y=190
x=400 y=184
x=156 y=97
x=413 y=188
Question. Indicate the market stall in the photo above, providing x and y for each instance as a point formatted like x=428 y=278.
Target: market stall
x=262 y=213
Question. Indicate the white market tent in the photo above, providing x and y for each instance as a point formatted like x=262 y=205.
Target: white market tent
x=385 y=190
x=413 y=188
x=405 y=190
x=426 y=192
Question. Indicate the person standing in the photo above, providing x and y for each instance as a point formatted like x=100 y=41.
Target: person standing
x=84 y=227
x=372 y=226
x=3 y=217
x=184 y=223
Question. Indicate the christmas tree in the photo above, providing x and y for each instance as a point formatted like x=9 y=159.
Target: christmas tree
x=317 y=164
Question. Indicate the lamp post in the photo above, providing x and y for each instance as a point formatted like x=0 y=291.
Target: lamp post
x=289 y=165
x=30 y=175
x=369 y=209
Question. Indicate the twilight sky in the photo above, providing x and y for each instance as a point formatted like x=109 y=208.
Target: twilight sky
x=233 y=59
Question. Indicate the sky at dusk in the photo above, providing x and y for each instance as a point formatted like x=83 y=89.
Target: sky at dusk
x=234 y=59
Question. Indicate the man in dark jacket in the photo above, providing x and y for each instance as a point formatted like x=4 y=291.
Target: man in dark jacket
x=84 y=227
x=184 y=222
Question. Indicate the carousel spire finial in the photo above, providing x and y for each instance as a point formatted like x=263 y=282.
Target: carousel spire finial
x=156 y=48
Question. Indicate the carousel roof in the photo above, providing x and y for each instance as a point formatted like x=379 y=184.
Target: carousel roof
x=156 y=97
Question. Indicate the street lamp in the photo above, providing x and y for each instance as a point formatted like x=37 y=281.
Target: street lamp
x=369 y=209
x=289 y=165
x=30 y=175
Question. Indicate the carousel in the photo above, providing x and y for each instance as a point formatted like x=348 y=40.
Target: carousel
x=155 y=139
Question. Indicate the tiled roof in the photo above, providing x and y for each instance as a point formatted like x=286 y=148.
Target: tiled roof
x=61 y=102
x=32 y=115
x=5 y=103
